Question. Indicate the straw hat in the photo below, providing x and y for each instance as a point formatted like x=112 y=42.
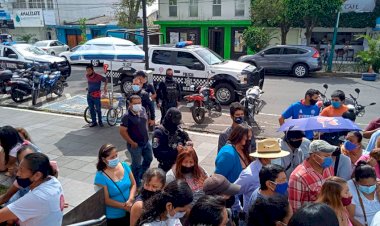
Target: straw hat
x=269 y=148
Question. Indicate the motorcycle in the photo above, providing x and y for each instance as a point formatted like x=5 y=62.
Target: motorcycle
x=5 y=77
x=47 y=84
x=204 y=99
x=253 y=105
x=351 y=102
x=21 y=85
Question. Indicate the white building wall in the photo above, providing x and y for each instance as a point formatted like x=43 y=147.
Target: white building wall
x=204 y=10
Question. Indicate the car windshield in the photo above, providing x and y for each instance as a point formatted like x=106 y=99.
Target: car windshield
x=75 y=48
x=29 y=50
x=42 y=43
x=209 y=56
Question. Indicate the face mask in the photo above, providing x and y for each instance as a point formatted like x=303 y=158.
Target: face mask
x=367 y=189
x=113 y=162
x=281 y=188
x=313 y=102
x=296 y=143
x=146 y=194
x=230 y=202
x=349 y=146
x=23 y=182
x=239 y=120
x=136 y=107
x=135 y=88
x=346 y=201
x=186 y=170
x=327 y=162
x=177 y=215
x=335 y=104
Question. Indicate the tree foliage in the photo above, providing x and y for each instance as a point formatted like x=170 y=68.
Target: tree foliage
x=127 y=12
x=311 y=12
x=83 y=28
x=272 y=13
x=372 y=55
x=257 y=38
x=26 y=37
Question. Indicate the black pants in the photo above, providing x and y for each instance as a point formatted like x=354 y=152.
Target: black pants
x=119 y=221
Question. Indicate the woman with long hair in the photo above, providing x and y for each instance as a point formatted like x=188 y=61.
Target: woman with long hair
x=187 y=168
x=168 y=206
x=119 y=185
x=336 y=194
x=234 y=156
x=153 y=182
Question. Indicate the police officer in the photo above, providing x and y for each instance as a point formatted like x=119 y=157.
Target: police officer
x=168 y=93
x=167 y=139
x=145 y=99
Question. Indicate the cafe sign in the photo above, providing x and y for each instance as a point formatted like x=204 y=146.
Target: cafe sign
x=358 y=6
x=28 y=18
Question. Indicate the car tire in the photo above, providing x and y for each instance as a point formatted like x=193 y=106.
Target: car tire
x=225 y=93
x=300 y=70
x=126 y=85
x=52 y=53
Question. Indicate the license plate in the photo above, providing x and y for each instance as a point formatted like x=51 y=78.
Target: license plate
x=190 y=105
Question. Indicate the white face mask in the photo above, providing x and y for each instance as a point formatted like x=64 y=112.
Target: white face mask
x=136 y=107
x=177 y=215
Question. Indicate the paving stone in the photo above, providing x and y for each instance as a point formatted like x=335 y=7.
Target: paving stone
x=75 y=164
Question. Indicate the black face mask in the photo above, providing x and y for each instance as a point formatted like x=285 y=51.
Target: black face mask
x=313 y=102
x=230 y=202
x=239 y=120
x=169 y=77
x=295 y=144
x=146 y=194
x=186 y=170
x=23 y=182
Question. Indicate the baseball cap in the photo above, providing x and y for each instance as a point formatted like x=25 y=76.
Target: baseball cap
x=321 y=146
x=217 y=184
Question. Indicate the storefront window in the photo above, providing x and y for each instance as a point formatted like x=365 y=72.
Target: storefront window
x=239 y=7
x=173 y=8
x=175 y=35
x=239 y=43
x=343 y=38
x=19 y=4
x=217 y=8
x=37 y=4
x=49 y=4
x=193 y=8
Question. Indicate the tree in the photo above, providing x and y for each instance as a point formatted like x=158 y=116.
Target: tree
x=372 y=55
x=311 y=12
x=83 y=28
x=257 y=38
x=127 y=12
x=26 y=37
x=272 y=13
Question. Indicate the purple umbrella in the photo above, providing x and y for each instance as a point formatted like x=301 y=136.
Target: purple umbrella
x=320 y=124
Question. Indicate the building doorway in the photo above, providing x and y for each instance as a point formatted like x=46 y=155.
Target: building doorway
x=216 y=40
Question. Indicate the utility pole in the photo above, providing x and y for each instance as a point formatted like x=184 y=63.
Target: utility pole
x=145 y=27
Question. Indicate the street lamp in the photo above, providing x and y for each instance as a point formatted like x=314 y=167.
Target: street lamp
x=145 y=41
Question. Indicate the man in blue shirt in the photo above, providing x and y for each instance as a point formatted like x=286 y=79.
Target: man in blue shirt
x=304 y=108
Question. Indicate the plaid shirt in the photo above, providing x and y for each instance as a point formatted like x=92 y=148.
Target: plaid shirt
x=305 y=184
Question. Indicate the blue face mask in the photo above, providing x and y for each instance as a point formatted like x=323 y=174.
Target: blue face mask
x=135 y=88
x=281 y=188
x=335 y=104
x=349 y=146
x=327 y=162
x=367 y=189
x=113 y=162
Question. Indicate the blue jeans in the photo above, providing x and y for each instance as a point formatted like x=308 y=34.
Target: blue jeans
x=95 y=108
x=141 y=159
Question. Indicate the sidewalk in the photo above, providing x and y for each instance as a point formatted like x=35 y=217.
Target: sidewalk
x=68 y=140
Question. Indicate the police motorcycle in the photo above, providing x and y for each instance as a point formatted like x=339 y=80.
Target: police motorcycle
x=47 y=83
x=253 y=104
x=351 y=102
x=21 y=84
x=5 y=77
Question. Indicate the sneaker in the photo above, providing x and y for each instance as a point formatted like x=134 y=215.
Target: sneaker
x=93 y=124
x=101 y=124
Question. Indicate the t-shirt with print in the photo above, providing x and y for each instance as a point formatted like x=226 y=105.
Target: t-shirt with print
x=114 y=192
x=42 y=206
x=168 y=222
x=94 y=82
x=299 y=110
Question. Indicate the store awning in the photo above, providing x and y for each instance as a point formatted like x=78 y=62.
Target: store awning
x=358 y=6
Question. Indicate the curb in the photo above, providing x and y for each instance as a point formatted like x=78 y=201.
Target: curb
x=338 y=74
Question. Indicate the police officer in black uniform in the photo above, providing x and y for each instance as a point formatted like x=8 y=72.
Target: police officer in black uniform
x=168 y=93
x=167 y=138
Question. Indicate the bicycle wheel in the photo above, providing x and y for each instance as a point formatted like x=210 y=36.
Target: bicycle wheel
x=112 y=116
x=120 y=112
x=87 y=115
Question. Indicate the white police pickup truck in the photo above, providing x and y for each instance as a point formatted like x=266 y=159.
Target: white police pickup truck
x=192 y=65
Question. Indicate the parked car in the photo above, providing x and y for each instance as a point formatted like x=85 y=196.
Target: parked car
x=52 y=47
x=23 y=56
x=299 y=60
x=66 y=55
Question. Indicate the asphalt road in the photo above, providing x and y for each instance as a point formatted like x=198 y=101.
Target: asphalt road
x=280 y=91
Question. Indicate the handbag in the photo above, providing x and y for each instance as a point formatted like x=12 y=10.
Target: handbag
x=361 y=204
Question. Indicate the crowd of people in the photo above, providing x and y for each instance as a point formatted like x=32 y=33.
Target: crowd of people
x=303 y=178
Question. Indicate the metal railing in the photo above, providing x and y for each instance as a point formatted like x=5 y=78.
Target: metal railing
x=95 y=222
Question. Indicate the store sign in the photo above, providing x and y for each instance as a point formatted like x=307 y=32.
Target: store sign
x=28 y=18
x=7 y=24
x=358 y=6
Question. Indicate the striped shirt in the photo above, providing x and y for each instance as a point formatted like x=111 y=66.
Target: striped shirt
x=305 y=184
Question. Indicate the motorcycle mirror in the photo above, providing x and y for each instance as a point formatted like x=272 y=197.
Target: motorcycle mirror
x=325 y=86
x=373 y=103
x=357 y=90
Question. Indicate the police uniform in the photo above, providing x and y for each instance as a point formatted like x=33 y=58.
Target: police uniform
x=169 y=93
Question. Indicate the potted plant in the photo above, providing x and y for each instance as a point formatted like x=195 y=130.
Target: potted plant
x=370 y=57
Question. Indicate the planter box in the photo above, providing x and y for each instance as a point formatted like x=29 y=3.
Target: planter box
x=369 y=76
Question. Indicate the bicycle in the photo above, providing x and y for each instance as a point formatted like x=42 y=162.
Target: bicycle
x=113 y=112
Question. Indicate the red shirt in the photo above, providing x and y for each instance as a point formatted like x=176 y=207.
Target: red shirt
x=94 y=82
x=374 y=124
x=305 y=184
